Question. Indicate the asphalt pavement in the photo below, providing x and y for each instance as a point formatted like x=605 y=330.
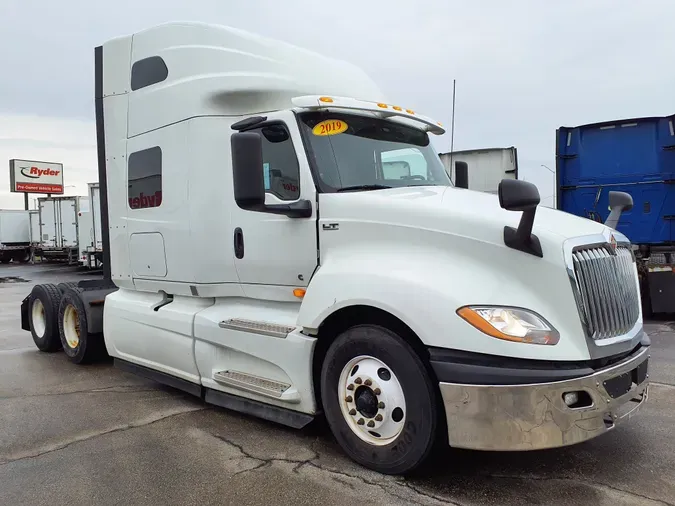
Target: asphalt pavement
x=92 y=435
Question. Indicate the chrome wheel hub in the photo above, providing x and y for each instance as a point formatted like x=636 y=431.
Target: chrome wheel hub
x=372 y=401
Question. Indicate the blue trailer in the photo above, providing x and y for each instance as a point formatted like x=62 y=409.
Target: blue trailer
x=636 y=156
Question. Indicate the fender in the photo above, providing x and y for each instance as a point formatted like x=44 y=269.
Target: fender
x=424 y=284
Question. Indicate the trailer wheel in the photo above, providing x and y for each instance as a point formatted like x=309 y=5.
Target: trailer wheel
x=379 y=400
x=43 y=310
x=23 y=257
x=79 y=345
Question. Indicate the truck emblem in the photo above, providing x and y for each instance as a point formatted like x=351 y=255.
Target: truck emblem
x=331 y=226
x=612 y=241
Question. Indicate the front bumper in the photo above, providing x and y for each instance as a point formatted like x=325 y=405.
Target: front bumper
x=534 y=416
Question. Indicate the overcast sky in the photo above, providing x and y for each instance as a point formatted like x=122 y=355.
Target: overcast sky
x=523 y=67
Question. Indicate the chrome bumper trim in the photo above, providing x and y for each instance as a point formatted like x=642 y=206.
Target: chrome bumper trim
x=534 y=416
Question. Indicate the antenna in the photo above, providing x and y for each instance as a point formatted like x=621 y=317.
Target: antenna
x=452 y=128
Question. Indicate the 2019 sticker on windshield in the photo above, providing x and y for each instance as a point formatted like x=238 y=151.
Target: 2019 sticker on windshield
x=330 y=127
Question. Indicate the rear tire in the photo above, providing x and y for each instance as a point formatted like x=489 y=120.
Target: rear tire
x=383 y=413
x=78 y=344
x=43 y=314
x=23 y=257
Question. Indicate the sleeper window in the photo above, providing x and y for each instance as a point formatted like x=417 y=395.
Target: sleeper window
x=145 y=178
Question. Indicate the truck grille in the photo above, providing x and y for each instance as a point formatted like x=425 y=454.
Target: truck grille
x=607 y=291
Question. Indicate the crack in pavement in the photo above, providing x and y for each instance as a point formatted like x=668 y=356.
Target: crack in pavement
x=93 y=435
x=111 y=389
x=311 y=462
x=590 y=483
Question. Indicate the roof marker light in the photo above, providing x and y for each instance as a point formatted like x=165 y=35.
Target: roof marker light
x=326 y=99
x=397 y=108
x=410 y=111
x=383 y=106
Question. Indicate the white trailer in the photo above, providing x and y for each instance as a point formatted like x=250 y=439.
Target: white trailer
x=60 y=226
x=267 y=250
x=34 y=227
x=85 y=231
x=94 y=250
x=486 y=167
x=14 y=236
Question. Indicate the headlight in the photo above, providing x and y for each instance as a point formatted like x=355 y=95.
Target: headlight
x=510 y=324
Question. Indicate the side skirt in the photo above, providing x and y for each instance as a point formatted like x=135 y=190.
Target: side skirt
x=251 y=407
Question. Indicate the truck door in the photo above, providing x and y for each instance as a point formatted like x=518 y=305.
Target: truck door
x=273 y=249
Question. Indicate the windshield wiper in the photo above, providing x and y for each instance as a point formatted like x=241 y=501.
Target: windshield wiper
x=364 y=187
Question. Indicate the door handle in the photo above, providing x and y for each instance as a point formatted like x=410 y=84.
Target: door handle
x=238 y=243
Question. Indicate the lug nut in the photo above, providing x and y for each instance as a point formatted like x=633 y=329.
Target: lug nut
x=377 y=391
x=349 y=398
x=358 y=381
x=380 y=405
x=371 y=424
x=368 y=382
x=350 y=387
x=378 y=418
x=352 y=412
x=361 y=421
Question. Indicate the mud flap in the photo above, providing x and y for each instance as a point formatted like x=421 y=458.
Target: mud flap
x=24 y=314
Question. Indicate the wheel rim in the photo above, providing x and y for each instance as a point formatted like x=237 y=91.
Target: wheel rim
x=372 y=401
x=39 y=318
x=71 y=326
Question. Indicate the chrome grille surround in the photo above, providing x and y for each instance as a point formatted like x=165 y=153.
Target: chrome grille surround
x=604 y=280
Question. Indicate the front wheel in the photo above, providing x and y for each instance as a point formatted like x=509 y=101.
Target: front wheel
x=379 y=400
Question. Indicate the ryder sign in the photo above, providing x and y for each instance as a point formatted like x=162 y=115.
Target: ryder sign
x=27 y=176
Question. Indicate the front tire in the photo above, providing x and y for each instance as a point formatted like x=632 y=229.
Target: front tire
x=79 y=345
x=379 y=400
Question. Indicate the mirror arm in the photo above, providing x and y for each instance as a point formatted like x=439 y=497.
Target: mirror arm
x=299 y=209
x=522 y=238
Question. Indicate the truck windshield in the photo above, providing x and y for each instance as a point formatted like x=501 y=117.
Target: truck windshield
x=352 y=152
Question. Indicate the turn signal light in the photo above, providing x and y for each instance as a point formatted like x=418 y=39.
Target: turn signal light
x=299 y=292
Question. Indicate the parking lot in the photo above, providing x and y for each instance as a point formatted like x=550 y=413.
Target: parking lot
x=94 y=435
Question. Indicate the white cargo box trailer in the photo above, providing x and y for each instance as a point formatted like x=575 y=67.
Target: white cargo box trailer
x=94 y=251
x=14 y=236
x=59 y=226
x=34 y=218
x=85 y=232
x=487 y=167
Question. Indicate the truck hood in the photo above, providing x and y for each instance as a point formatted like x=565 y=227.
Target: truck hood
x=422 y=252
x=458 y=211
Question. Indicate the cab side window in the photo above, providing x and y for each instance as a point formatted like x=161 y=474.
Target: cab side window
x=280 y=162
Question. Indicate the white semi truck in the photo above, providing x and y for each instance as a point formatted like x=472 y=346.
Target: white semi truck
x=405 y=310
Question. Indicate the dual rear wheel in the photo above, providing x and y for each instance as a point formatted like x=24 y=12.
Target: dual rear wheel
x=58 y=321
